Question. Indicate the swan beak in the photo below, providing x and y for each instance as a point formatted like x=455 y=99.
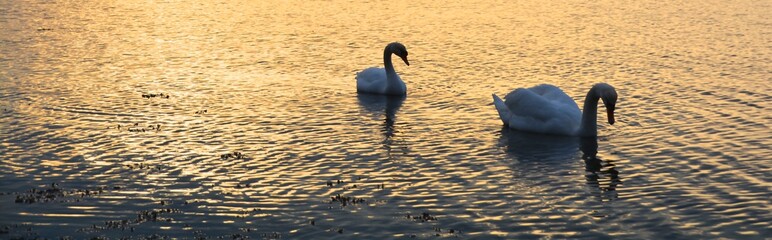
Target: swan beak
x=610 y=113
x=405 y=59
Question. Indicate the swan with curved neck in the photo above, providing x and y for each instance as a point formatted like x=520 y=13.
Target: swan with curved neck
x=547 y=109
x=384 y=80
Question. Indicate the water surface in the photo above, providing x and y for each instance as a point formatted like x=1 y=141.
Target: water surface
x=240 y=118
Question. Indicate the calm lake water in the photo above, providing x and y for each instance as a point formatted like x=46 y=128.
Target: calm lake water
x=241 y=119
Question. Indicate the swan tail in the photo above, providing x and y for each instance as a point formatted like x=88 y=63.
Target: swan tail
x=502 y=108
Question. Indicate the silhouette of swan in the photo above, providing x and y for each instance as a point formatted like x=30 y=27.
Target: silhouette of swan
x=388 y=106
x=547 y=109
x=560 y=153
x=384 y=80
x=595 y=166
x=538 y=147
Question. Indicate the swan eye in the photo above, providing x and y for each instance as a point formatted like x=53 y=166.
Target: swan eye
x=609 y=102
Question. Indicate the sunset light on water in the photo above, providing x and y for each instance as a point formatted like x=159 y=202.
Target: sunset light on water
x=242 y=119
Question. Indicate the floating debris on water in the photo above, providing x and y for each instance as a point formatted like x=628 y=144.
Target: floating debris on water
x=17 y=231
x=336 y=229
x=154 y=215
x=54 y=193
x=137 y=128
x=346 y=200
x=424 y=217
x=154 y=95
x=234 y=155
x=246 y=212
x=271 y=235
x=142 y=166
x=337 y=182
x=439 y=232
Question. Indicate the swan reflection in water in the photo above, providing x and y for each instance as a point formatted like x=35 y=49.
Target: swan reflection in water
x=558 y=151
x=388 y=105
x=597 y=170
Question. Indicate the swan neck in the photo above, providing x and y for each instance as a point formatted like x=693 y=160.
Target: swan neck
x=393 y=84
x=390 y=73
x=589 y=125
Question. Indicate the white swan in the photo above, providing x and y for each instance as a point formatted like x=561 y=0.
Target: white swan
x=546 y=109
x=384 y=81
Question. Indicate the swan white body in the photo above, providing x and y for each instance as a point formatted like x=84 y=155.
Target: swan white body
x=547 y=109
x=384 y=80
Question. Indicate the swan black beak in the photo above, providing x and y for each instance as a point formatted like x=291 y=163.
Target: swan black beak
x=405 y=59
x=610 y=113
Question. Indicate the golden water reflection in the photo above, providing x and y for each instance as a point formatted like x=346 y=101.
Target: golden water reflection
x=264 y=135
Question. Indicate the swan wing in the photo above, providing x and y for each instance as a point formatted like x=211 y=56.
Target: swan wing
x=555 y=95
x=502 y=108
x=542 y=109
x=371 y=80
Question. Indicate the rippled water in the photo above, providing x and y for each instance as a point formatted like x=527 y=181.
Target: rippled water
x=88 y=152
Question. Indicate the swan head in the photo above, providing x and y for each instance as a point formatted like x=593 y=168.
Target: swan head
x=399 y=50
x=609 y=96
